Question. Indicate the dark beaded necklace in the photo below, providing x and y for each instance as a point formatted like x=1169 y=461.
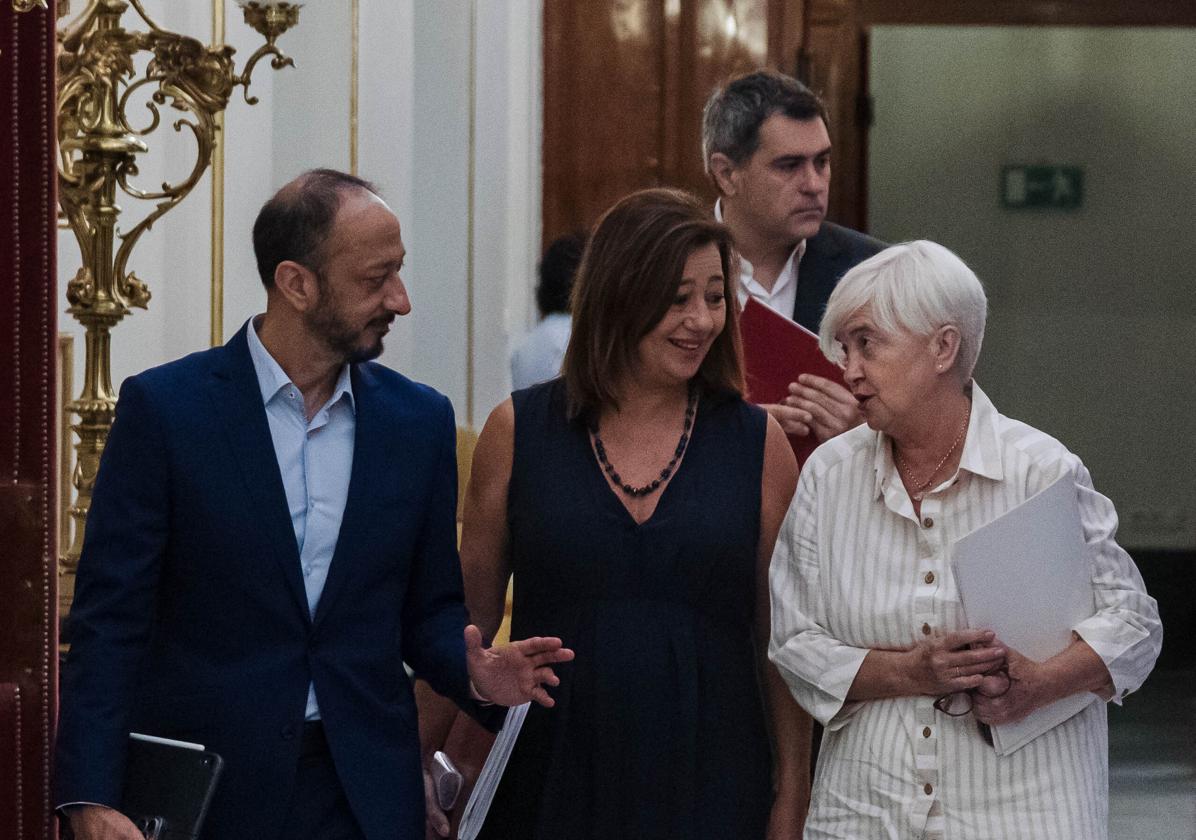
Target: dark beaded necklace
x=691 y=408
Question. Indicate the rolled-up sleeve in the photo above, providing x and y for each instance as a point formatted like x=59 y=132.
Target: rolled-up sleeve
x=1125 y=631
x=818 y=668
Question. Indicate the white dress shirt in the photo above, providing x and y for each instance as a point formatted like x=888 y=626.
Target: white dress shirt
x=782 y=297
x=315 y=459
x=855 y=569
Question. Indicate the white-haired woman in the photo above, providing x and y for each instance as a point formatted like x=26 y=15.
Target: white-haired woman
x=867 y=626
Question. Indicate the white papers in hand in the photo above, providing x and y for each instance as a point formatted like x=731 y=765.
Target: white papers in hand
x=169 y=742
x=1026 y=576
x=483 y=792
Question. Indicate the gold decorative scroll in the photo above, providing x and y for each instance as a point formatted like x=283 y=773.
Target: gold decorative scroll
x=216 y=334
x=99 y=142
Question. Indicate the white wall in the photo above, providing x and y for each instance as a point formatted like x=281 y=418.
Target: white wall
x=438 y=227
x=1091 y=331
x=417 y=59
x=507 y=193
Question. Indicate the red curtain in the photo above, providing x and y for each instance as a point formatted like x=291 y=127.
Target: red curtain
x=28 y=512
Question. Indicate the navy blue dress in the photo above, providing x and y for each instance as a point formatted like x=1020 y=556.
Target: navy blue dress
x=658 y=729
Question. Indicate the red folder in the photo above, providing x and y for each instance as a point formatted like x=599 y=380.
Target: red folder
x=775 y=351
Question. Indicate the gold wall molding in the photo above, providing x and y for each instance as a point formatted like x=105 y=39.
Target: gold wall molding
x=66 y=387
x=216 y=304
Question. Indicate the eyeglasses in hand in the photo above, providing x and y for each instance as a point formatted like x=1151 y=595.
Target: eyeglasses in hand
x=960 y=703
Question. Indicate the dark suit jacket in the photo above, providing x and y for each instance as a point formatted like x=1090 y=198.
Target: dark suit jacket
x=829 y=255
x=190 y=619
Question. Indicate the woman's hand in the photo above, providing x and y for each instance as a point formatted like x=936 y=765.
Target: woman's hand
x=947 y=663
x=1032 y=685
x=999 y=700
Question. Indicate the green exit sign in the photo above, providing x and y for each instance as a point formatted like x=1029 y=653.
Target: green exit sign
x=1054 y=187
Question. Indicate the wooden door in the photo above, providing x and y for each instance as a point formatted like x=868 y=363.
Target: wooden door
x=625 y=81
x=624 y=86
x=831 y=62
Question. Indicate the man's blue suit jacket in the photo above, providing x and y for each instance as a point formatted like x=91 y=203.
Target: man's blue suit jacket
x=190 y=619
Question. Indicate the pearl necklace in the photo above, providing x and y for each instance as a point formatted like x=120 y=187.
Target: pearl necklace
x=691 y=407
x=918 y=488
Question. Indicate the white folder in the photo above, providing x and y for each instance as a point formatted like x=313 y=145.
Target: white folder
x=1027 y=576
x=483 y=792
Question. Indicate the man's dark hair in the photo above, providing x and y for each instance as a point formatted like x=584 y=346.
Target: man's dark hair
x=558 y=267
x=295 y=223
x=734 y=113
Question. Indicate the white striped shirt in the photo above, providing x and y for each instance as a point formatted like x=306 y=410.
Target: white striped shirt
x=854 y=569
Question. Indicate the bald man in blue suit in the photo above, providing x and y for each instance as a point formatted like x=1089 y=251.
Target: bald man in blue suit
x=272 y=537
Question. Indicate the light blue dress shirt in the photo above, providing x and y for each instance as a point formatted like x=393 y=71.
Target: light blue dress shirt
x=539 y=357
x=316 y=460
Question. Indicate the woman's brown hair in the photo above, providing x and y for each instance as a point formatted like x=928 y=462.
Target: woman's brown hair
x=627 y=281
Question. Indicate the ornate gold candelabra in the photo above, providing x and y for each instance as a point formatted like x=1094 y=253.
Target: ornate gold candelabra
x=98 y=149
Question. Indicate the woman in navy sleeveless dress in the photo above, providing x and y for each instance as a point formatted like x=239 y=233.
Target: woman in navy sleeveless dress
x=636 y=502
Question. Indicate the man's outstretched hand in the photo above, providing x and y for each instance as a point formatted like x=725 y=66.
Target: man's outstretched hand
x=514 y=673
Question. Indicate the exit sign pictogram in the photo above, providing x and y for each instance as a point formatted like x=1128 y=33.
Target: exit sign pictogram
x=1052 y=187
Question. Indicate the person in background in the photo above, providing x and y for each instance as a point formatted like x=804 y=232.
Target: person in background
x=272 y=535
x=766 y=147
x=868 y=628
x=538 y=357
x=635 y=501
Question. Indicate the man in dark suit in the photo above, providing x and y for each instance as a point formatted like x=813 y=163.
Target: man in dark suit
x=768 y=152
x=272 y=536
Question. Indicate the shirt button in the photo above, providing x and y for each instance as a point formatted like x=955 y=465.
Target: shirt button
x=925 y=731
x=928 y=788
x=929 y=577
x=925 y=629
x=928 y=522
